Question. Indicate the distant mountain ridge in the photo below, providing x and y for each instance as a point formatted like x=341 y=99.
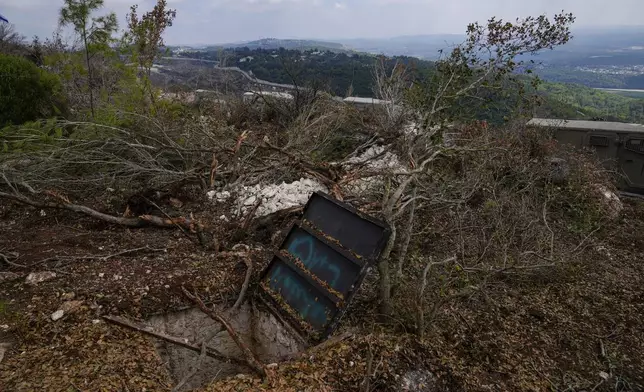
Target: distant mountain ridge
x=291 y=44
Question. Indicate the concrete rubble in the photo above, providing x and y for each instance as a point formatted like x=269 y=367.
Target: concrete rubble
x=276 y=197
x=273 y=197
x=375 y=159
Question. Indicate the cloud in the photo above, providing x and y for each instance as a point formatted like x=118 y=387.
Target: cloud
x=217 y=21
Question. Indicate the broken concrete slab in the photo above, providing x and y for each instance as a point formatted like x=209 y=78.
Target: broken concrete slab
x=260 y=330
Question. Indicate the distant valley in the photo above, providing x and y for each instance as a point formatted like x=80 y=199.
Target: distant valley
x=596 y=75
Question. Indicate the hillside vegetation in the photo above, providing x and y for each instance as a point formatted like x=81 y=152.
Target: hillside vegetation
x=508 y=268
x=596 y=103
x=344 y=74
x=340 y=73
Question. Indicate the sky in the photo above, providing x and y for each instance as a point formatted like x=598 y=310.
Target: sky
x=224 y=21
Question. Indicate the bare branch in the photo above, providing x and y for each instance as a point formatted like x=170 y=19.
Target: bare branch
x=242 y=293
x=250 y=358
x=211 y=352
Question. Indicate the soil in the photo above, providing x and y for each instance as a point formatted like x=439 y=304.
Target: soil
x=579 y=330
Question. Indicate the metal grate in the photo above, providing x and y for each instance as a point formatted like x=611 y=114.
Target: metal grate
x=598 y=141
x=636 y=145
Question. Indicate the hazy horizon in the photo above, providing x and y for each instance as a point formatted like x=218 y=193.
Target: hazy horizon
x=211 y=22
x=577 y=29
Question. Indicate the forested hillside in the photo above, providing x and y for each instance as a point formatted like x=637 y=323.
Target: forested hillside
x=352 y=74
x=592 y=77
x=339 y=72
x=597 y=103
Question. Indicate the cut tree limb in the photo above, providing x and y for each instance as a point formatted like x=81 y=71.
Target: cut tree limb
x=251 y=359
x=141 y=221
x=211 y=352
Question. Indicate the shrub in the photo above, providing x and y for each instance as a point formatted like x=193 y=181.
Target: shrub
x=26 y=91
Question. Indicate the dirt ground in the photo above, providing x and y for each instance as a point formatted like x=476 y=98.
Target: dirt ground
x=579 y=330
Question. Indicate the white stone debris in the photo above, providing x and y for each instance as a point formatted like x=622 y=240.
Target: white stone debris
x=612 y=201
x=38 y=277
x=375 y=159
x=218 y=196
x=57 y=315
x=276 y=197
x=418 y=381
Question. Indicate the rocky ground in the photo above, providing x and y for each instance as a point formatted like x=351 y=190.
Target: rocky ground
x=578 y=330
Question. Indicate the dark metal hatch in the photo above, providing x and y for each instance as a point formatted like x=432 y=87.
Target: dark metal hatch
x=320 y=265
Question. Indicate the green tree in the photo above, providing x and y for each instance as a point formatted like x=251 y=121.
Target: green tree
x=95 y=32
x=473 y=73
x=145 y=38
x=26 y=91
x=11 y=42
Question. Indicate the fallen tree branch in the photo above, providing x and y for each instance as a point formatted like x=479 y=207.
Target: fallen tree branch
x=141 y=221
x=195 y=228
x=9 y=259
x=211 y=352
x=250 y=358
x=242 y=293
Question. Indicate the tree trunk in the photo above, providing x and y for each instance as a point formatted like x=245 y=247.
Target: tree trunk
x=385 y=274
x=89 y=73
x=406 y=238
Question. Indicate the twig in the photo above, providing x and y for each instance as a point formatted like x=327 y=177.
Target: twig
x=367 y=376
x=251 y=214
x=320 y=347
x=211 y=352
x=195 y=368
x=250 y=358
x=585 y=239
x=242 y=293
x=12 y=256
x=421 y=293
x=101 y=258
x=552 y=233
x=213 y=170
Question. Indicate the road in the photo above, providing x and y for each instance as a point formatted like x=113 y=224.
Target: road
x=241 y=71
